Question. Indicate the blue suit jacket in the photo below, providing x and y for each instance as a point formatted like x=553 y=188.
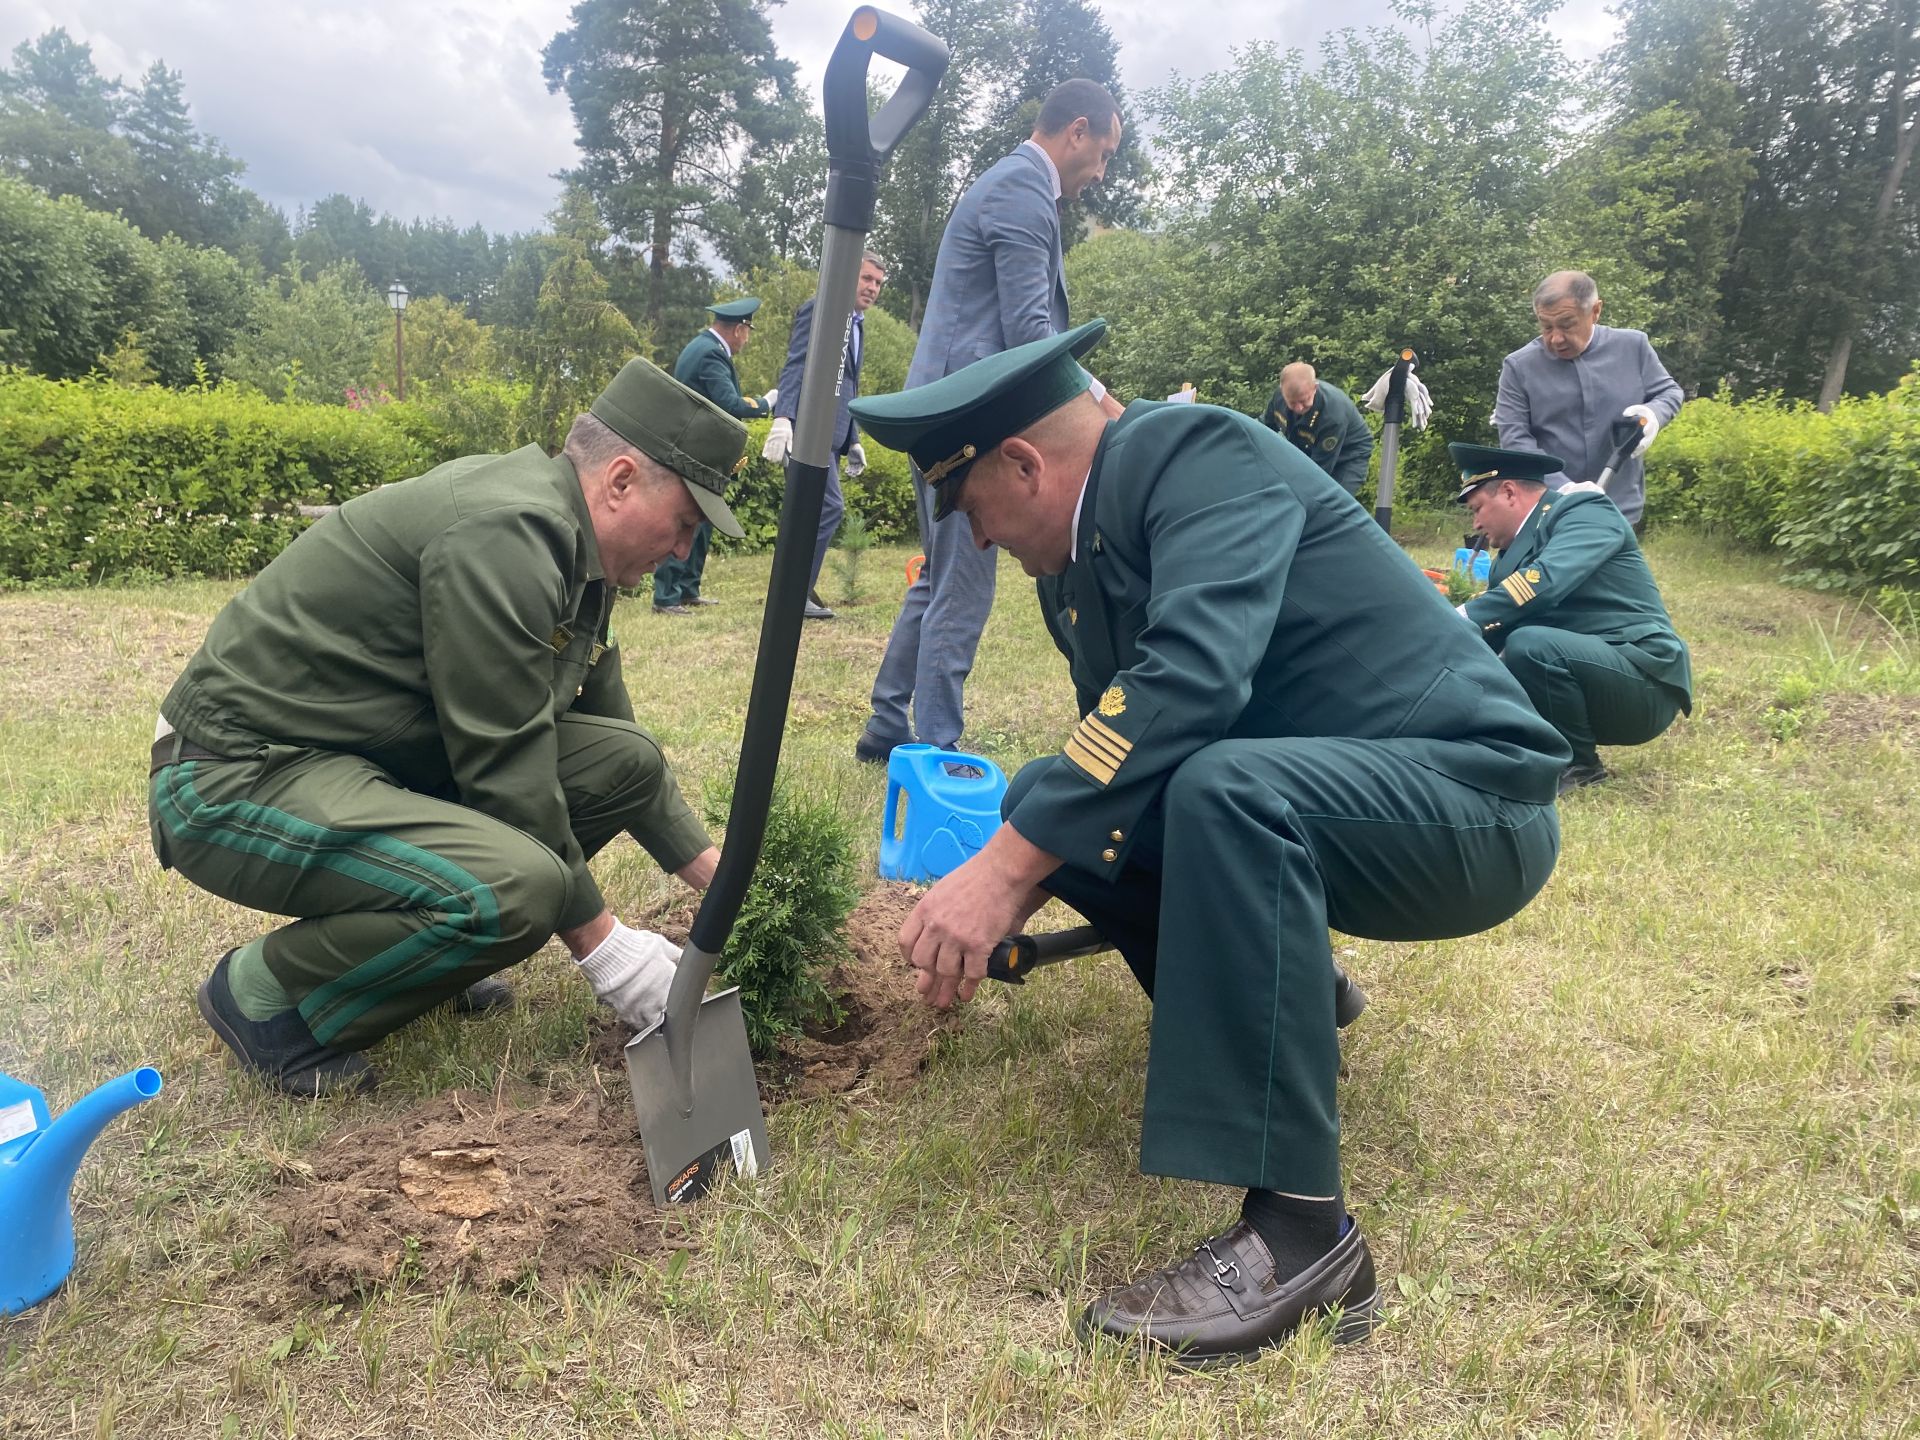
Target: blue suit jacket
x=999 y=279
x=845 y=432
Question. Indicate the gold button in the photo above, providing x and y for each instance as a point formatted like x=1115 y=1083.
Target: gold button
x=1116 y=836
x=1109 y=855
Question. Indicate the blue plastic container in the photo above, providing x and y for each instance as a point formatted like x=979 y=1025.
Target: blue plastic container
x=38 y=1158
x=1482 y=562
x=942 y=806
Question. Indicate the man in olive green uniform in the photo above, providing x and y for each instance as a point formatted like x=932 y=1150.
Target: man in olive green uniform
x=1323 y=423
x=1284 y=730
x=1571 y=607
x=411 y=733
x=706 y=366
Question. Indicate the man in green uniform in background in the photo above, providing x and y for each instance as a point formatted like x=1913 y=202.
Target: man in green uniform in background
x=1283 y=731
x=1571 y=607
x=410 y=732
x=706 y=366
x=1326 y=426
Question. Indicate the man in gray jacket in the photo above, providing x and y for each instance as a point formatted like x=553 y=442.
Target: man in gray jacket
x=997 y=282
x=1563 y=393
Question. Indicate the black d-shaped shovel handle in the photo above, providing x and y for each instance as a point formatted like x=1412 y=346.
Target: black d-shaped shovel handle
x=858 y=144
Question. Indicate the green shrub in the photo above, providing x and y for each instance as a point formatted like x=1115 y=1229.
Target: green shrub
x=97 y=481
x=468 y=416
x=788 y=930
x=1854 y=522
x=883 y=496
x=1729 y=467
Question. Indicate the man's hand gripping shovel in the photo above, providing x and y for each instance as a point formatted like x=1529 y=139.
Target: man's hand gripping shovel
x=694 y=1092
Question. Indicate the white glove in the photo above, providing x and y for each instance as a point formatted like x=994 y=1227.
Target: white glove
x=1185 y=395
x=856 y=460
x=772 y=397
x=1649 y=426
x=779 y=441
x=1577 y=487
x=1419 y=402
x=1461 y=611
x=631 y=970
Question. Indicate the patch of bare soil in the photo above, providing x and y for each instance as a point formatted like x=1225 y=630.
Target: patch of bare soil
x=1863 y=718
x=473 y=1187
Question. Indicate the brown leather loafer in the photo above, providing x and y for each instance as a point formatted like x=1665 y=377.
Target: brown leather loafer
x=1222 y=1304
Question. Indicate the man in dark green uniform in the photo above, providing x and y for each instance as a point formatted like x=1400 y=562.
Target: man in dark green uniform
x=1323 y=423
x=706 y=366
x=1284 y=731
x=410 y=732
x=1572 y=608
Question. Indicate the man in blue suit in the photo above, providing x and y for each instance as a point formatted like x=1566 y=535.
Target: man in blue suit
x=998 y=282
x=846 y=448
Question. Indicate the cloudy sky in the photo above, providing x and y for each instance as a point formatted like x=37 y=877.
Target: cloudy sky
x=437 y=107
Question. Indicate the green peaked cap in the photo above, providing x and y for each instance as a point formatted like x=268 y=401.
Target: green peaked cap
x=944 y=427
x=1480 y=464
x=682 y=429
x=741 y=309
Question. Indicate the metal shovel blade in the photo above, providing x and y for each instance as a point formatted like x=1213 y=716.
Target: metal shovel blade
x=691 y=1147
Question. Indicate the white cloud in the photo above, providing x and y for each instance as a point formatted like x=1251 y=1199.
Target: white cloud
x=438 y=107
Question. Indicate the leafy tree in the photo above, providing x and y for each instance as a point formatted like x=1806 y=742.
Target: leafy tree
x=443 y=345
x=316 y=339
x=57 y=119
x=580 y=338
x=776 y=207
x=184 y=185
x=663 y=93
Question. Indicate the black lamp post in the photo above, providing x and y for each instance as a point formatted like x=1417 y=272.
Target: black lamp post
x=397 y=300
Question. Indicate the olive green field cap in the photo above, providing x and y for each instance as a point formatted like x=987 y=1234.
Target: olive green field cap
x=682 y=429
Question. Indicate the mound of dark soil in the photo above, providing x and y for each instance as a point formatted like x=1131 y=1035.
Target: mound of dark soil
x=493 y=1192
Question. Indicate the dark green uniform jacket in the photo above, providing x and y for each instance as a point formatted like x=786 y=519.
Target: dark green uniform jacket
x=1575 y=566
x=439 y=628
x=706 y=365
x=1243 y=598
x=1332 y=433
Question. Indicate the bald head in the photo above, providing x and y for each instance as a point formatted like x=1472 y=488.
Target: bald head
x=1298 y=382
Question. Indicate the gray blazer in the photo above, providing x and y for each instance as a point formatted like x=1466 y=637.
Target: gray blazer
x=999 y=280
x=1567 y=407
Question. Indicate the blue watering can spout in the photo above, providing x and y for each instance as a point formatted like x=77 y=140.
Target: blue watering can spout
x=38 y=1160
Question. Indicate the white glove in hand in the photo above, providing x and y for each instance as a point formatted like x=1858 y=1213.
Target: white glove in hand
x=1419 y=402
x=631 y=971
x=856 y=460
x=779 y=441
x=1577 y=487
x=1185 y=395
x=1649 y=426
x=772 y=397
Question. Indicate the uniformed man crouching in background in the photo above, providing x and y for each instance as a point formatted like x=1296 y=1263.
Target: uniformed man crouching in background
x=1571 y=607
x=410 y=732
x=1283 y=732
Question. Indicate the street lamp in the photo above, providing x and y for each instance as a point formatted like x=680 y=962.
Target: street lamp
x=397 y=300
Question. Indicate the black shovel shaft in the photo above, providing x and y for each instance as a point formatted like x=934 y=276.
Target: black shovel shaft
x=1393 y=412
x=1627 y=431
x=857 y=150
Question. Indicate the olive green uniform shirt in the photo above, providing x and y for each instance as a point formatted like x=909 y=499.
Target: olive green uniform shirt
x=438 y=627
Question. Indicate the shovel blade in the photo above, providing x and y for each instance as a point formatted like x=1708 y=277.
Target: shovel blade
x=725 y=1131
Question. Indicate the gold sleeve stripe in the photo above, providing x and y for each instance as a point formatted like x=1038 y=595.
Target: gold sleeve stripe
x=1089 y=762
x=1096 y=726
x=1518 y=587
x=1105 y=751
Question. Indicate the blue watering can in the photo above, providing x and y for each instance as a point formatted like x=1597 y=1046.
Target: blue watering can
x=38 y=1158
x=942 y=806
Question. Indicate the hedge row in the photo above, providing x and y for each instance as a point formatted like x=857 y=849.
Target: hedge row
x=103 y=482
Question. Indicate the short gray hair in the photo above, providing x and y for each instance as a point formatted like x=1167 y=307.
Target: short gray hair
x=872 y=258
x=1574 y=285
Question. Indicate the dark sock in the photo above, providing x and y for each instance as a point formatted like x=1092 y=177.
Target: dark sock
x=1298 y=1232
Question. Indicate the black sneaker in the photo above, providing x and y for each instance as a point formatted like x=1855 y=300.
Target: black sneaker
x=1577 y=775
x=870 y=749
x=483 y=997
x=281 y=1049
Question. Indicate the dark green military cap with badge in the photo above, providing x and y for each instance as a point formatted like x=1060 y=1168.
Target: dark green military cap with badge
x=944 y=427
x=741 y=309
x=682 y=429
x=1480 y=464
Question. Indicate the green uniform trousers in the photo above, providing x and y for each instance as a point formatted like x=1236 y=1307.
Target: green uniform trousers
x=403 y=899
x=677 y=582
x=1253 y=851
x=1588 y=689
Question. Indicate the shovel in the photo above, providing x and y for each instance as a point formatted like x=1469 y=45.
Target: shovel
x=1626 y=435
x=1016 y=955
x=1392 y=413
x=694 y=1091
